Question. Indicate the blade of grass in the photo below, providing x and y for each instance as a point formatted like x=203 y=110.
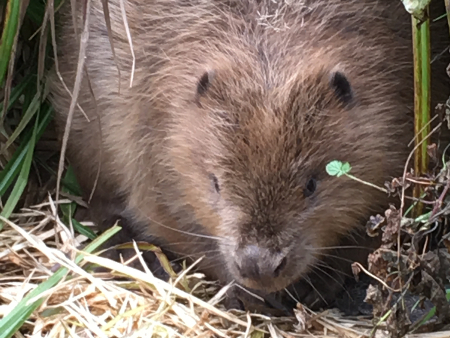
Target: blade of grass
x=422 y=99
x=11 y=170
x=25 y=119
x=15 y=94
x=12 y=18
x=72 y=187
x=70 y=181
x=83 y=230
x=21 y=312
x=13 y=53
x=36 y=10
x=68 y=210
x=22 y=179
x=432 y=312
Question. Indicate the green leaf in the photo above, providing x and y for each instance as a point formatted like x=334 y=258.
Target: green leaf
x=423 y=218
x=11 y=22
x=83 y=230
x=337 y=168
x=346 y=168
x=70 y=182
x=432 y=312
x=334 y=168
x=69 y=209
x=70 y=185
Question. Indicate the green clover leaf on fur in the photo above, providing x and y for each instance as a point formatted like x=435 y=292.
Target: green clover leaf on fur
x=337 y=168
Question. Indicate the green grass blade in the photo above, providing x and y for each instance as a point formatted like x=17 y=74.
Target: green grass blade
x=36 y=10
x=432 y=312
x=22 y=179
x=12 y=169
x=25 y=119
x=16 y=93
x=15 y=319
x=83 y=230
x=70 y=185
x=422 y=101
x=12 y=17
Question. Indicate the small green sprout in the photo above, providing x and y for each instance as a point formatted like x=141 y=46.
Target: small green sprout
x=337 y=168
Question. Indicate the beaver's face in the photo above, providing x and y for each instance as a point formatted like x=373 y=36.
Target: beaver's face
x=263 y=154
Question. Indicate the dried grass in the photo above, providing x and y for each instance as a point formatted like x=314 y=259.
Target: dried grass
x=35 y=242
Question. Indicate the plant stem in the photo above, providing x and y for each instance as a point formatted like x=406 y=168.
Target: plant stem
x=422 y=102
x=366 y=183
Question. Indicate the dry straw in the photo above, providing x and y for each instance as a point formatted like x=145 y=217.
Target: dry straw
x=34 y=243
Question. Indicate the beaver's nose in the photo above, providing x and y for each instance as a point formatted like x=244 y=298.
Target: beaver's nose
x=254 y=262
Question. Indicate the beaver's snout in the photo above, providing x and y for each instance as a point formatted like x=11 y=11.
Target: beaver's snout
x=256 y=263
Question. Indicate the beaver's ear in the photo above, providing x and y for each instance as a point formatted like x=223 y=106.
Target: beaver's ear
x=342 y=87
x=204 y=82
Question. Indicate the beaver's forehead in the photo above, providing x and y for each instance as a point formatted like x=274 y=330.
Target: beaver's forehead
x=276 y=152
x=280 y=135
x=267 y=155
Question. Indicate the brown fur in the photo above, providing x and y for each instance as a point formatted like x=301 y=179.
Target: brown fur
x=267 y=122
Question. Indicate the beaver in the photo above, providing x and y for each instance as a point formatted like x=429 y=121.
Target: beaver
x=213 y=141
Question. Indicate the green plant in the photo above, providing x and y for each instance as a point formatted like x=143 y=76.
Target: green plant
x=338 y=168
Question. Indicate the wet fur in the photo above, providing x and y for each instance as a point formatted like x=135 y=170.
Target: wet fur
x=241 y=90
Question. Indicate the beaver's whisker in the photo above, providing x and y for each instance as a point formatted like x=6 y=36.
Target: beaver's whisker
x=193 y=234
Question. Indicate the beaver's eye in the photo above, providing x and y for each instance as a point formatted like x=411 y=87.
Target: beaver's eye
x=342 y=87
x=204 y=82
x=215 y=182
x=310 y=187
